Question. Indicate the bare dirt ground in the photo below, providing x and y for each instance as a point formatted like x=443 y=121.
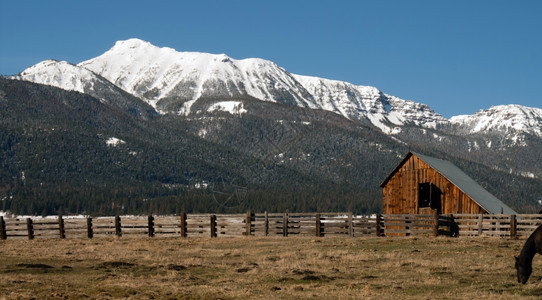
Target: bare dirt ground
x=265 y=268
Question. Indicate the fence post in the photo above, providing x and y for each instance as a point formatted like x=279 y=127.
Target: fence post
x=408 y=231
x=435 y=225
x=378 y=225
x=285 y=224
x=90 y=233
x=318 y=230
x=350 y=225
x=248 y=223
x=480 y=224
x=266 y=224
x=213 y=226
x=150 y=223
x=454 y=227
x=498 y=224
x=30 y=228
x=3 y=234
x=61 y=230
x=183 y=225
x=513 y=226
x=118 y=231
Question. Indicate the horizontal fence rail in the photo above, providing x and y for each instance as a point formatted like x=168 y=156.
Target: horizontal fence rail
x=272 y=224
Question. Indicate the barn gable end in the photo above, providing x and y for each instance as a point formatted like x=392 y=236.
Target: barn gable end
x=421 y=182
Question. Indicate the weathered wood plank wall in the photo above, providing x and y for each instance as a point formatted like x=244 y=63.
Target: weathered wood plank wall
x=401 y=192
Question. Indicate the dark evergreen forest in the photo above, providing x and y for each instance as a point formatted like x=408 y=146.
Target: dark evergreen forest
x=55 y=158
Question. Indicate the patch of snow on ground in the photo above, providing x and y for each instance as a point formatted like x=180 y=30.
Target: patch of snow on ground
x=528 y=174
x=395 y=130
x=232 y=107
x=113 y=141
x=377 y=121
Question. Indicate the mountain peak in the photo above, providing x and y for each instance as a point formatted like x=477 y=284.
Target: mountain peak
x=61 y=74
x=132 y=43
x=153 y=74
x=172 y=82
x=503 y=118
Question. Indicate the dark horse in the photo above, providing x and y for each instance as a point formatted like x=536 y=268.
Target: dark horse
x=524 y=262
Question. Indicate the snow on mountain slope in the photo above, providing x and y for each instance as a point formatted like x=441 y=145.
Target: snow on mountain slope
x=503 y=118
x=232 y=107
x=154 y=73
x=171 y=82
x=69 y=77
x=60 y=74
x=366 y=102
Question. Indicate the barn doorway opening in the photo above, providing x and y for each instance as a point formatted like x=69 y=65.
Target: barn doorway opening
x=429 y=196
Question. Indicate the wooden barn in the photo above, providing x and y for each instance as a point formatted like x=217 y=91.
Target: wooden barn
x=423 y=184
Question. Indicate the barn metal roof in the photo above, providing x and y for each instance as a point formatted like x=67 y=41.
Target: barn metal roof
x=480 y=195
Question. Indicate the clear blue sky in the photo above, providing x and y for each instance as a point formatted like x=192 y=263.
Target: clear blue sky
x=456 y=56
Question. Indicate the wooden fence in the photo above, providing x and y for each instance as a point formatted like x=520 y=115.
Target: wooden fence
x=272 y=224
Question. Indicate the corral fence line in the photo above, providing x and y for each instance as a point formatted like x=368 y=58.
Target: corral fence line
x=272 y=224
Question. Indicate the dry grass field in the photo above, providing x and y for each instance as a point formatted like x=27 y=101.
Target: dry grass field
x=264 y=268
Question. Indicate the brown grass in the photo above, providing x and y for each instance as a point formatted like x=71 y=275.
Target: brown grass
x=258 y=268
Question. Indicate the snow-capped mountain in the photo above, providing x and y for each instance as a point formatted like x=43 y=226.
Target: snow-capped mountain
x=211 y=117
x=154 y=74
x=358 y=102
x=503 y=118
x=172 y=82
x=73 y=78
x=61 y=74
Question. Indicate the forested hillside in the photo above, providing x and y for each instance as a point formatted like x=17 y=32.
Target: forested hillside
x=67 y=152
